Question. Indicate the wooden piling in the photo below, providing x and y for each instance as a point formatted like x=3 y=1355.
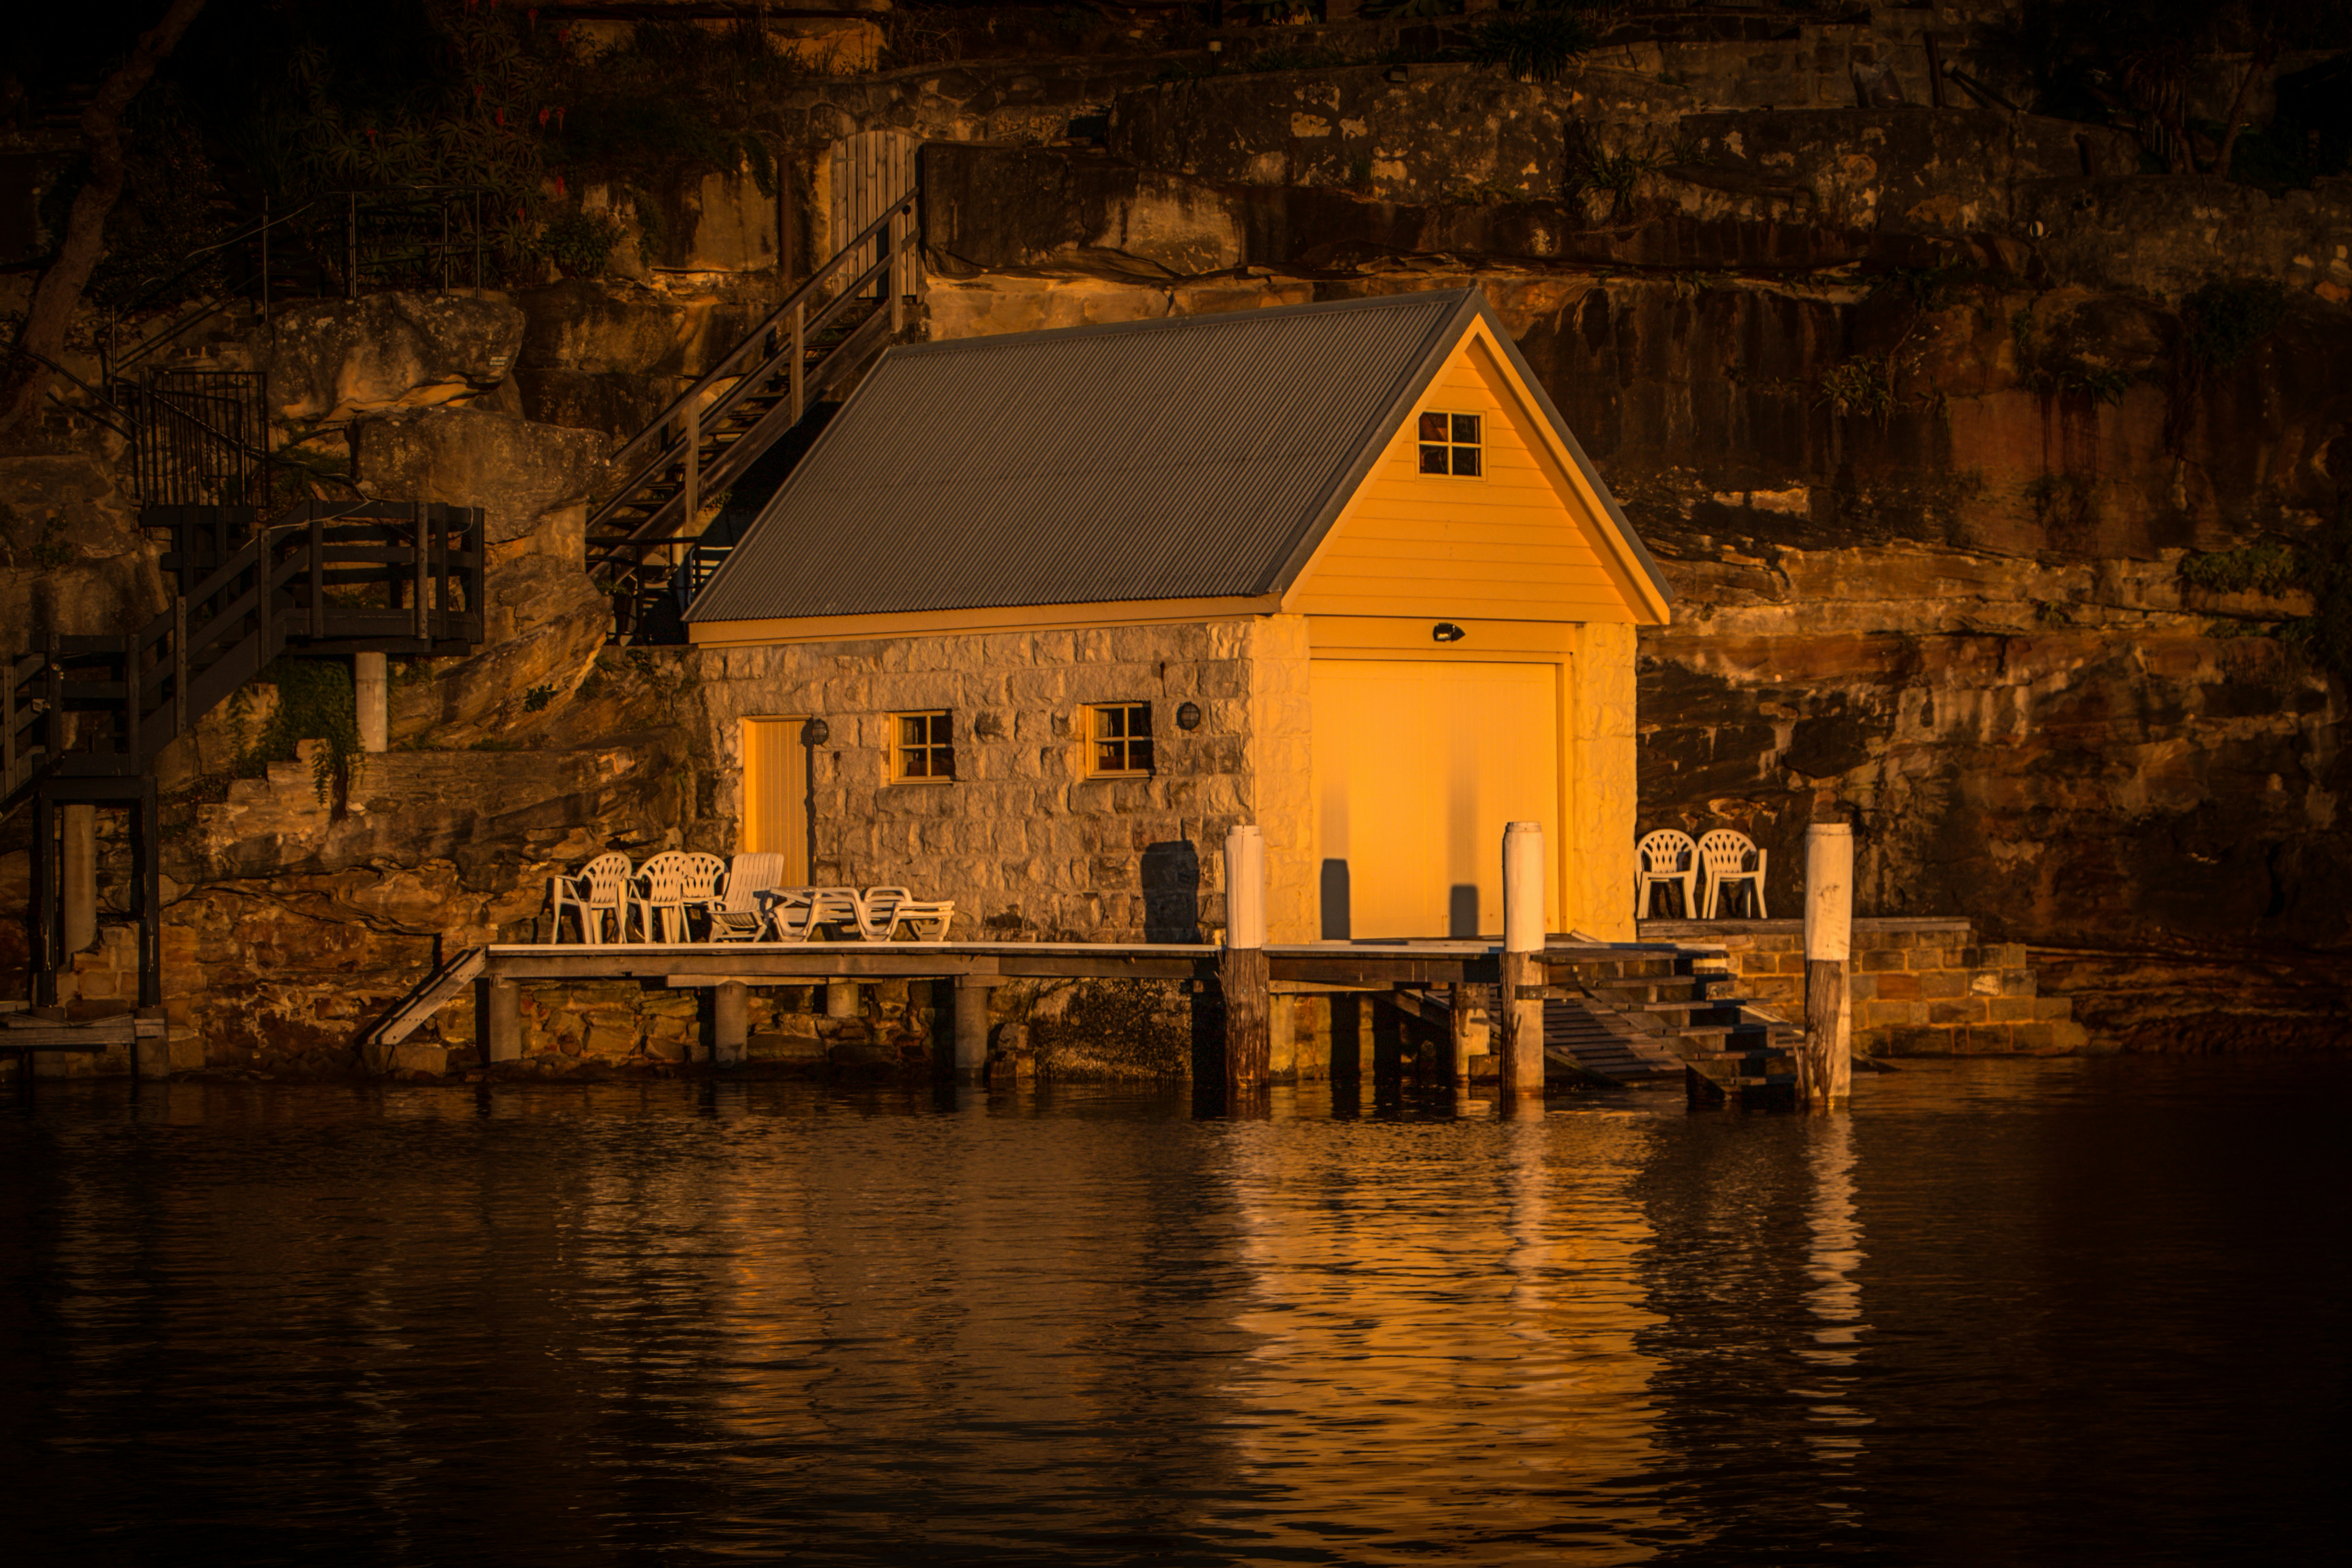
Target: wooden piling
x=1243 y=972
x=841 y=999
x=78 y=897
x=730 y=1020
x=1825 y=1067
x=1522 y=966
x=971 y=1026
x=1458 y=1025
x=501 y=1028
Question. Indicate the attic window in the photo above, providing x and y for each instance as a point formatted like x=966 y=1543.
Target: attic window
x=1449 y=445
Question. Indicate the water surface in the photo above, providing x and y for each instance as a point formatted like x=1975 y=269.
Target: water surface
x=2082 y=1311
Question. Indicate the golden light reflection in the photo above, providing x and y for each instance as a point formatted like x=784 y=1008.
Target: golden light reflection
x=1834 y=1303
x=1449 y=1316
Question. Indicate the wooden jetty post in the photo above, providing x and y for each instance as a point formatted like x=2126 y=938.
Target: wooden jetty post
x=730 y=1022
x=1825 y=1068
x=1458 y=1025
x=841 y=999
x=502 y=1029
x=1242 y=973
x=371 y=693
x=78 y=862
x=972 y=1025
x=1523 y=942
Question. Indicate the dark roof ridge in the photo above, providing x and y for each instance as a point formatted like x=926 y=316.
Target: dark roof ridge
x=1407 y=298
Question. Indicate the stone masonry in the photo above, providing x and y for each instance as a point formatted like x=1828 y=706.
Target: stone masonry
x=1920 y=987
x=1024 y=843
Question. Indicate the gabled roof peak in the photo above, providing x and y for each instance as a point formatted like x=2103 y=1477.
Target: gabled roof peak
x=1179 y=458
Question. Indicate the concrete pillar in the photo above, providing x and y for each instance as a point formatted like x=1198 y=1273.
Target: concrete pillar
x=1825 y=1069
x=731 y=1023
x=502 y=1021
x=1242 y=971
x=1523 y=941
x=79 y=865
x=841 y=999
x=971 y=1030
x=371 y=687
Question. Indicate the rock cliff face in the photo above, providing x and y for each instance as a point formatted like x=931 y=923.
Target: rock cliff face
x=1922 y=409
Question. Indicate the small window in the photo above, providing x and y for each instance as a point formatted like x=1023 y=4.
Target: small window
x=1123 y=740
x=922 y=749
x=1449 y=445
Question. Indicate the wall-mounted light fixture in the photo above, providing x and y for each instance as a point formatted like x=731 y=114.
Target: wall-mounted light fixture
x=1447 y=631
x=817 y=732
x=1187 y=717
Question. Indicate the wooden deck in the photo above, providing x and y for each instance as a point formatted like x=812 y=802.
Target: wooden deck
x=1368 y=966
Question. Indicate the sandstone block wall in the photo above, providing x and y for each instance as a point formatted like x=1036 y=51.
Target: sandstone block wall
x=1919 y=987
x=1024 y=842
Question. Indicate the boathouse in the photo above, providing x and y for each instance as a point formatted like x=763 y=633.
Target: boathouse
x=1040 y=616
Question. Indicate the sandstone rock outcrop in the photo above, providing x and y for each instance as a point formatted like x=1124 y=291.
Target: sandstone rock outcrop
x=330 y=359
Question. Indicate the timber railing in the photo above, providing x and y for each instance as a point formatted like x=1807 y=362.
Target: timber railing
x=828 y=328
x=326 y=577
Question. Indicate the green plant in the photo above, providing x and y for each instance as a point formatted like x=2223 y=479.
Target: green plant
x=1591 y=169
x=315 y=702
x=578 y=242
x=2226 y=319
x=2222 y=321
x=1486 y=193
x=2056 y=373
x=2251 y=568
x=1863 y=385
x=537 y=698
x=1534 y=46
x=1927 y=289
x=2059 y=501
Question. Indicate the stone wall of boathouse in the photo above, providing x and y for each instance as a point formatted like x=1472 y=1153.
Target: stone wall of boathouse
x=1028 y=846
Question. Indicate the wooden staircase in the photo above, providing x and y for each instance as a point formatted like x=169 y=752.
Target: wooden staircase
x=1675 y=1013
x=83 y=718
x=644 y=535
x=1631 y=1015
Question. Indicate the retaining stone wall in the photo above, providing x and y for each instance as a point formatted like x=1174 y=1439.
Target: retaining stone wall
x=1920 y=986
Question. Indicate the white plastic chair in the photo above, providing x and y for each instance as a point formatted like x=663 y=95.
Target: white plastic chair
x=1666 y=858
x=1723 y=854
x=667 y=885
x=601 y=889
x=797 y=914
x=884 y=909
x=740 y=913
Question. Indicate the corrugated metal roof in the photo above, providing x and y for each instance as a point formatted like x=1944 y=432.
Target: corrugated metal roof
x=1191 y=458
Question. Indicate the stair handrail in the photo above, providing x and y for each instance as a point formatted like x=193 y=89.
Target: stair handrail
x=799 y=297
x=726 y=402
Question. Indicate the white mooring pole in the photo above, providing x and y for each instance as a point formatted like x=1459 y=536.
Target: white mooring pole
x=1523 y=940
x=1825 y=1069
x=1242 y=973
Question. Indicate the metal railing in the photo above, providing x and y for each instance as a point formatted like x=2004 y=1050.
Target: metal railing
x=770 y=360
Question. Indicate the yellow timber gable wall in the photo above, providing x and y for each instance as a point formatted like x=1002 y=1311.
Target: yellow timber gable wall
x=1523 y=559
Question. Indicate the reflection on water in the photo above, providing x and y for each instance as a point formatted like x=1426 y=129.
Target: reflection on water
x=2082 y=1312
